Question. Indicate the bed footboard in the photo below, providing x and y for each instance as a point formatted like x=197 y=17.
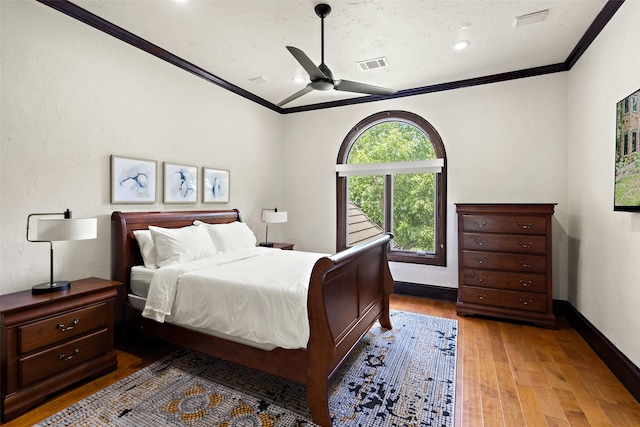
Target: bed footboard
x=348 y=292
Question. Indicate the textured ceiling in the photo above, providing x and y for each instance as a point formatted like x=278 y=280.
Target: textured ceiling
x=243 y=40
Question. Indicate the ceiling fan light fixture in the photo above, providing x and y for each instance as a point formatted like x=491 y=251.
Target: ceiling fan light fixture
x=462 y=44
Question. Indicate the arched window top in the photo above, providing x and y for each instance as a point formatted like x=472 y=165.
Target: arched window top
x=425 y=143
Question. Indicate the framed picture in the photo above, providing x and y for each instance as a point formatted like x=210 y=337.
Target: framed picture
x=180 y=183
x=133 y=180
x=215 y=185
x=627 y=180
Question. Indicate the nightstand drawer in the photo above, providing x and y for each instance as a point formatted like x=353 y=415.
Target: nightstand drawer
x=505 y=243
x=517 y=224
x=65 y=356
x=507 y=299
x=65 y=326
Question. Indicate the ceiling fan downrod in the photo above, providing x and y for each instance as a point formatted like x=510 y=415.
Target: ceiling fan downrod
x=322 y=10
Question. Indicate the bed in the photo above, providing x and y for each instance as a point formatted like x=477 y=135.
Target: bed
x=347 y=292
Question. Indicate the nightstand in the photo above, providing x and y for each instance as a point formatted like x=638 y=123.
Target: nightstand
x=51 y=341
x=283 y=246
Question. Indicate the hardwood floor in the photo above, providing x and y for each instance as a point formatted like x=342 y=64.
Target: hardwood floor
x=508 y=374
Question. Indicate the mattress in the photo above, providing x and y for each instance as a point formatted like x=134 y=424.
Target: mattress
x=141 y=280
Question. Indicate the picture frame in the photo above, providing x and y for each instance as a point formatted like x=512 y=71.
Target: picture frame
x=133 y=180
x=215 y=185
x=626 y=194
x=180 y=183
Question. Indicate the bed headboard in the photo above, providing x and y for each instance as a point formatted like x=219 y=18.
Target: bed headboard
x=124 y=247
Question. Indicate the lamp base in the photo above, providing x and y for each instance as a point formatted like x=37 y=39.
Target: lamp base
x=266 y=244
x=45 y=288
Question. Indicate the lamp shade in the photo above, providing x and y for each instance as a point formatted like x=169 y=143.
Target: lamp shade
x=271 y=217
x=53 y=230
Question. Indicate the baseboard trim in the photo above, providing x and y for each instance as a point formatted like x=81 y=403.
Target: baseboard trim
x=619 y=364
x=426 y=291
x=623 y=368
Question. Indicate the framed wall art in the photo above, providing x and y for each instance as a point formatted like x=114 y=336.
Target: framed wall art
x=627 y=179
x=180 y=183
x=133 y=180
x=215 y=185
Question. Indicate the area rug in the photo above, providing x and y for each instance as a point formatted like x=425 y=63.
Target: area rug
x=399 y=377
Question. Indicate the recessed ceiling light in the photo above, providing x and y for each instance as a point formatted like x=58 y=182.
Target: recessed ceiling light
x=298 y=79
x=462 y=44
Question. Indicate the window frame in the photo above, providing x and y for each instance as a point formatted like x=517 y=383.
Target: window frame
x=439 y=258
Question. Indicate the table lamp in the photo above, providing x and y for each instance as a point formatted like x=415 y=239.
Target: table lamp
x=51 y=230
x=271 y=216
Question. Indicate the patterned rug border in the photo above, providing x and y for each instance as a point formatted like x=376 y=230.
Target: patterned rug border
x=369 y=397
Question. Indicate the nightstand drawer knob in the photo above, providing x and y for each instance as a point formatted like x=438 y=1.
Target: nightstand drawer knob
x=526 y=263
x=479 y=224
x=63 y=356
x=526 y=302
x=480 y=260
x=481 y=297
x=67 y=328
x=525 y=284
x=525 y=245
x=525 y=226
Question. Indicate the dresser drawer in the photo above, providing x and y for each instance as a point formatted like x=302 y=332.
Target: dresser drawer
x=503 y=261
x=507 y=299
x=505 y=243
x=502 y=280
x=56 y=329
x=520 y=224
x=62 y=357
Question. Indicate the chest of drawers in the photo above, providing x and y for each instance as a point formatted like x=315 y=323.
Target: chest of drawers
x=504 y=261
x=51 y=341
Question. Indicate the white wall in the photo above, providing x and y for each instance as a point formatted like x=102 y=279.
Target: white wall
x=604 y=248
x=505 y=142
x=71 y=97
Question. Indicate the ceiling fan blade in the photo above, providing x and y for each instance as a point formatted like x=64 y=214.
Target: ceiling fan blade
x=349 y=86
x=296 y=95
x=308 y=65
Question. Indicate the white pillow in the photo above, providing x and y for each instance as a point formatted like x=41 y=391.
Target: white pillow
x=229 y=237
x=177 y=245
x=147 y=248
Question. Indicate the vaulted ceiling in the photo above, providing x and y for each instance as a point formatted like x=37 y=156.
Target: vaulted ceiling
x=243 y=42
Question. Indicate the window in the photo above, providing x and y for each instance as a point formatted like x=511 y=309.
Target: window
x=634 y=141
x=392 y=178
x=634 y=103
x=625 y=147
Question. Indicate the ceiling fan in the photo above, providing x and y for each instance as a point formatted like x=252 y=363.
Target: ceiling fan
x=321 y=76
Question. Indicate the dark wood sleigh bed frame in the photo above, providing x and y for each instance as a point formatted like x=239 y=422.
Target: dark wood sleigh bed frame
x=348 y=292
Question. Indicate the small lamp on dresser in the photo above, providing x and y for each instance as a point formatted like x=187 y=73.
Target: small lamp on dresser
x=51 y=230
x=271 y=216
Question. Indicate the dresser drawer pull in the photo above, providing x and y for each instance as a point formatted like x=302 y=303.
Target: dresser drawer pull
x=480 y=260
x=479 y=224
x=525 y=226
x=62 y=356
x=525 y=245
x=480 y=242
x=526 y=264
x=480 y=278
x=525 y=284
x=67 y=328
x=527 y=302
x=483 y=296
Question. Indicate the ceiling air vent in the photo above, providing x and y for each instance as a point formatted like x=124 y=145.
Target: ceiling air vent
x=372 y=64
x=530 y=18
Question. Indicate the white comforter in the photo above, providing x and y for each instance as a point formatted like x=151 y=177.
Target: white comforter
x=256 y=294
